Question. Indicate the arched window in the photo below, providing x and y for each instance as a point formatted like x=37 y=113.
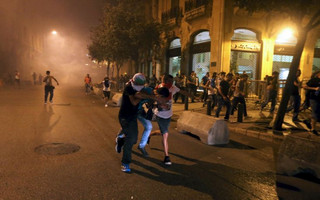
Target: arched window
x=317 y=44
x=175 y=44
x=244 y=35
x=202 y=37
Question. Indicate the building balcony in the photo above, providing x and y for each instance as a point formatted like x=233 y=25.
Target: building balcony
x=172 y=17
x=195 y=8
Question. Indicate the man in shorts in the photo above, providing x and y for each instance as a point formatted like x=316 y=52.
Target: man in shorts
x=106 y=85
x=163 y=111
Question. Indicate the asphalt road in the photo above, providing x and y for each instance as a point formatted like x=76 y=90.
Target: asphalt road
x=244 y=169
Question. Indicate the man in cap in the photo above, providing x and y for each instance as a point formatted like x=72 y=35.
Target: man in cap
x=128 y=134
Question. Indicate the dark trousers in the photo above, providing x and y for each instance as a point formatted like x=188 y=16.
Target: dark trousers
x=130 y=130
x=236 y=101
x=271 y=96
x=177 y=95
x=48 y=89
x=205 y=95
x=296 y=105
x=222 y=102
x=213 y=99
x=192 y=89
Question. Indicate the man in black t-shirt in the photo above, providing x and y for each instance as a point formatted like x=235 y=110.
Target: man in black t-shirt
x=223 y=98
x=272 y=92
x=295 y=96
x=313 y=86
x=128 y=134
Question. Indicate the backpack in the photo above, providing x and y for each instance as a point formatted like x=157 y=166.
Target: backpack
x=106 y=83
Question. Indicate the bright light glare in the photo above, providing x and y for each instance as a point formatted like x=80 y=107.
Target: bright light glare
x=286 y=36
x=54 y=32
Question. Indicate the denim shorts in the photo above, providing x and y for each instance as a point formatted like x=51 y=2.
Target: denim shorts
x=163 y=124
x=315 y=106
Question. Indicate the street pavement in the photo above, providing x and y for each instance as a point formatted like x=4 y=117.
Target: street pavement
x=40 y=156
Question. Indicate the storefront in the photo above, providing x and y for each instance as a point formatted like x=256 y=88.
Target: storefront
x=200 y=51
x=174 y=55
x=245 y=53
x=316 y=57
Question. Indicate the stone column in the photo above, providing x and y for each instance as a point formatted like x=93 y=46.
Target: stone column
x=217 y=61
x=267 y=50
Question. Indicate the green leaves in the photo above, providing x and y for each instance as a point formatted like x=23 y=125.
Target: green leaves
x=123 y=32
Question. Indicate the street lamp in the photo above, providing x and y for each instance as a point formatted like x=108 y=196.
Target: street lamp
x=286 y=37
x=54 y=32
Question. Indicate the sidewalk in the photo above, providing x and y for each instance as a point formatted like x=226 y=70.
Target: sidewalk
x=258 y=126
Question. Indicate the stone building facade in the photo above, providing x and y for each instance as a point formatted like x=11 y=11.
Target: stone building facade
x=207 y=35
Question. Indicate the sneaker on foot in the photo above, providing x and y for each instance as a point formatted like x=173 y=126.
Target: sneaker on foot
x=125 y=168
x=51 y=102
x=148 y=142
x=315 y=132
x=167 y=160
x=143 y=151
x=119 y=143
x=307 y=123
x=105 y=105
x=45 y=103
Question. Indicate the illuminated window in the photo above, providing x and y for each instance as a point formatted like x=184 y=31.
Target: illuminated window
x=244 y=34
x=202 y=37
x=175 y=43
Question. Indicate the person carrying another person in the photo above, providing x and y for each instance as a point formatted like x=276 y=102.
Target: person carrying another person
x=128 y=134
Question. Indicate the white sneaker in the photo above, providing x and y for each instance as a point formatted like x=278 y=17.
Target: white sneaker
x=106 y=105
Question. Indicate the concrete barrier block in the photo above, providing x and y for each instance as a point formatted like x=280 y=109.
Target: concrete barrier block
x=203 y=125
x=117 y=98
x=299 y=153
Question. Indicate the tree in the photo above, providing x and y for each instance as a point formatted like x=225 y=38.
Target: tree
x=124 y=33
x=305 y=15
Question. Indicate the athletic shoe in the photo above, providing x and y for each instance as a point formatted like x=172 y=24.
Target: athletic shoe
x=51 y=102
x=167 y=160
x=148 y=142
x=143 y=151
x=106 y=105
x=45 y=103
x=119 y=143
x=315 y=132
x=307 y=123
x=125 y=168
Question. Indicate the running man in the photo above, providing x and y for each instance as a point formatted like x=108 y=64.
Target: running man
x=48 y=88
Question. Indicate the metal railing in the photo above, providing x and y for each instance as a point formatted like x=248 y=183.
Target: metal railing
x=193 y=4
x=175 y=12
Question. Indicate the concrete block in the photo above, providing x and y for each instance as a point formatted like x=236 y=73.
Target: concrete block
x=117 y=98
x=299 y=153
x=202 y=125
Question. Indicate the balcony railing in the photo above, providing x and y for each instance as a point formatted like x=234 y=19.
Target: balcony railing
x=194 y=4
x=172 y=15
x=196 y=8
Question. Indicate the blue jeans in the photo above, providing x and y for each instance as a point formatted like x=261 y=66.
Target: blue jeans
x=129 y=128
x=146 y=132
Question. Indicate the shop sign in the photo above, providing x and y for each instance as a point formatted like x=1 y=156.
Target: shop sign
x=245 y=46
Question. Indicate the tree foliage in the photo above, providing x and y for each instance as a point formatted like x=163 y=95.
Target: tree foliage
x=124 y=33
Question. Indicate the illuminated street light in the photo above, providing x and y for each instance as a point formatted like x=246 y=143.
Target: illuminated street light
x=54 y=32
x=286 y=37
